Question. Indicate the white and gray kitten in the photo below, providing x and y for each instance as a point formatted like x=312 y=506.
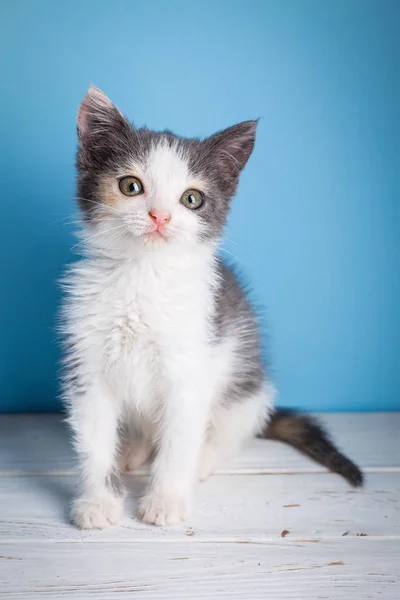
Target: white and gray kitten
x=163 y=356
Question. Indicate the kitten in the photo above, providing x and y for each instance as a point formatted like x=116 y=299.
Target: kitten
x=161 y=341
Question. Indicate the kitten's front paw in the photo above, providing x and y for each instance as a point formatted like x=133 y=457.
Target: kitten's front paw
x=96 y=514
x=163 y=509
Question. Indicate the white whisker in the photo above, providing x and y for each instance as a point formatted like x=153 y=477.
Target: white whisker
x=89 y=239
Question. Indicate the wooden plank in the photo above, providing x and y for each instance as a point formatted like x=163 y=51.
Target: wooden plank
x=240 y=507
x=40 y=444
x=359 y=568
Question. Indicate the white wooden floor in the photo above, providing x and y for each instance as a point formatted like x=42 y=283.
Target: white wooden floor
x=270 y=525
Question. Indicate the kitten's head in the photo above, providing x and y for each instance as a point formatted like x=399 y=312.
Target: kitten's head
x=155 y=188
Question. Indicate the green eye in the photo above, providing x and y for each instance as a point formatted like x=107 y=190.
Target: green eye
x=131 y=186
x=192 y=199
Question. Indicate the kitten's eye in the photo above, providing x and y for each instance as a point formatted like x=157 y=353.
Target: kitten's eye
x=131 y=186
x=192 y=199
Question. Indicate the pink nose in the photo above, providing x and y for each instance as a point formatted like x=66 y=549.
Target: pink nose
x=159 y=218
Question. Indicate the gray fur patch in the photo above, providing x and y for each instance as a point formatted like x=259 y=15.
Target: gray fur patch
x=235 y=318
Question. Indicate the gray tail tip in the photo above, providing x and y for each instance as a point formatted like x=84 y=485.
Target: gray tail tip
x=354 y=475
x=340 y=464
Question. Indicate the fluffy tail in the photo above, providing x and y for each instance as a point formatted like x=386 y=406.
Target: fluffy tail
x=307 y=435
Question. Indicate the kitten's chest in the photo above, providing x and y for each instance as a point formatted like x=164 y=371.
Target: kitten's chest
x=137 y=311
x=145 y=311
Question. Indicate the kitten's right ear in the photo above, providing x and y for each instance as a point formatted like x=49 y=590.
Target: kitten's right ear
x=228 y=151
x=96 y=110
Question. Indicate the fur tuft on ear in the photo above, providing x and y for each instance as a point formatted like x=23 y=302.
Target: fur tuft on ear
x=95 y=109
x=231 y=147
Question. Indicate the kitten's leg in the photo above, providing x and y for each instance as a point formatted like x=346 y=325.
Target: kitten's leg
x=94 y=419
x=233 y=424
x=181 y=435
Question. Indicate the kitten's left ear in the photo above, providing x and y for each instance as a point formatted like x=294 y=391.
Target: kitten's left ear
x=231 y=148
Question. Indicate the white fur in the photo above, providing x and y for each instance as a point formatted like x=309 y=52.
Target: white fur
x=137 y=321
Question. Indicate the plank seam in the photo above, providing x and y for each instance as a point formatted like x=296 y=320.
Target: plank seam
x=225 y=473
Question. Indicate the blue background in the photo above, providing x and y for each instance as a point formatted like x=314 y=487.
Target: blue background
x=316 y=221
